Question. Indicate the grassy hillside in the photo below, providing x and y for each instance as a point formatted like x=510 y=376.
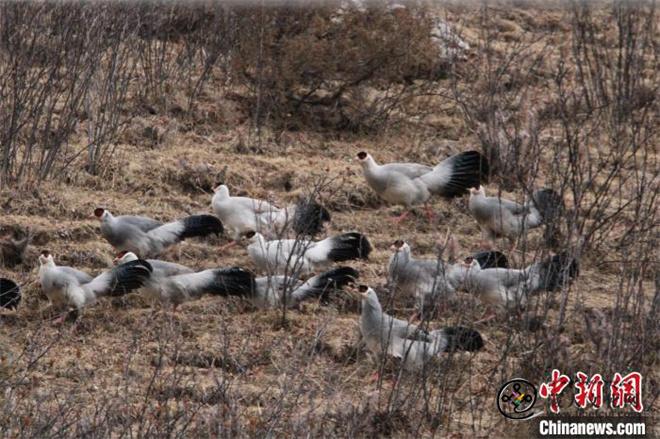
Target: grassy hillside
x=554 y=96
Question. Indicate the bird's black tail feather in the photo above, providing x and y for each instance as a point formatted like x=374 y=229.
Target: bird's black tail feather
x=460 y=338
x=309 y=218
x=201 y=225
x=324 y=283
x=348 y=246
x=558 y=271
x=10 y=294
x=234 y=281
x=491 y=259
x=129 y=276
x=551 y=207
x=469 y=169
x=549 y=203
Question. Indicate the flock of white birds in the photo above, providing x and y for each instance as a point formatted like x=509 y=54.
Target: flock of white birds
x=292 y=266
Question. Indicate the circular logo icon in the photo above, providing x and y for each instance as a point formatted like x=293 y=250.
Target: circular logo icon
x=516 y=399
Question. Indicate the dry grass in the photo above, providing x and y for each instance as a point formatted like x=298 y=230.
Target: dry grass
x=222 y=367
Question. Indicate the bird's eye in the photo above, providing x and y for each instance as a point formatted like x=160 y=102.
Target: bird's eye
x=363 y=288
x=362 y=155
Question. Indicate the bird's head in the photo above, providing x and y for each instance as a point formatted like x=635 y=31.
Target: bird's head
x=478 y=191
x=363 y=157
x=251 y=236
x=400 y=246
x=471 y=263
x=365 y=291
x=101 y=213
x=46 y=257
x=221 y=189
x=123 y=257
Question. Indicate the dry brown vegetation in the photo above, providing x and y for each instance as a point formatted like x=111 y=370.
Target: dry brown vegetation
x=143 y=108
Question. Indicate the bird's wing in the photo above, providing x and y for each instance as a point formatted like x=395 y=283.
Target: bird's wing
x=141 y=222
x=255 y=205
x=410 y=170
x=167 y=269
x=80 y=276
x=120 y=280
x=455 y=175
x=506 y=277
x=511 y=206
x=192 y=226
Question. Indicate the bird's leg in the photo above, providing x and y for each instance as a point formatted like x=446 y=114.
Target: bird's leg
x=513 y=244
x=487 y=316
x=375 y=377
x=486 y=242
x=398 y=219
x=430 y=215
x=60 y=320
x=228 y=245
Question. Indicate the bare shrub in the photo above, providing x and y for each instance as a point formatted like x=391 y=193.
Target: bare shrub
x=331 y=68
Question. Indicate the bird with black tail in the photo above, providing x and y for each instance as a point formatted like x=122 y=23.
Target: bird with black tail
x=305 y=256
x=411 y=184
x=147 y=237
x=385 y=335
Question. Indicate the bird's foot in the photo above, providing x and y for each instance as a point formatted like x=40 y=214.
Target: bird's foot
x=60 y=320
x=486 y=317
x=400 y=218
x=430 y=214
x=227 y=246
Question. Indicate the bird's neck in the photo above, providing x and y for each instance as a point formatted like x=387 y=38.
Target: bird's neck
x=370 y=164
x=371 y=306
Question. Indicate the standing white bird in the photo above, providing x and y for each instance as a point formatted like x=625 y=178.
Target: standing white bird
x=168 y=284
x=66 y=286
x=385 y=335
x=411 y=184
x=429 y=279
x=501 y=217
x=243 y=214
x=509 y=288
x=147 y=237
x=303 y=256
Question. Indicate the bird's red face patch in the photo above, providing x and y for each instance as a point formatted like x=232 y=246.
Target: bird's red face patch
x=45 y=253
x=363 y=288
x=362 y=155
x=398 y=243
